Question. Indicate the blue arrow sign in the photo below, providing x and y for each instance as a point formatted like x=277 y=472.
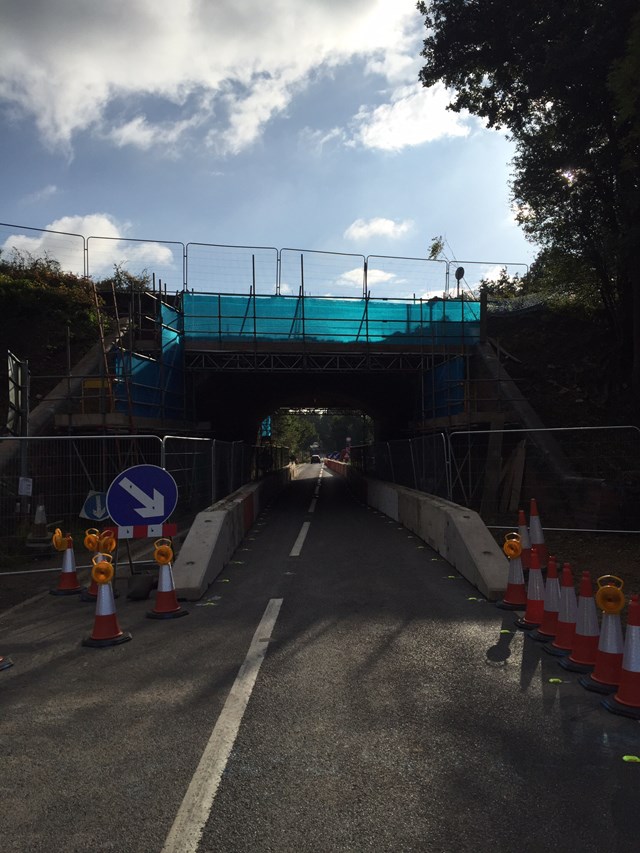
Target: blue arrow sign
x=143 y=494
x=95 y=507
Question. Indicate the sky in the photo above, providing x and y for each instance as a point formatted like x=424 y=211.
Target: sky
x=284 y=124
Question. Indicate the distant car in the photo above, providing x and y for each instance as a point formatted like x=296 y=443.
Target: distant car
x=315 y=458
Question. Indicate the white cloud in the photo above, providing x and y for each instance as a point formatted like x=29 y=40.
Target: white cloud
x=363 y=229
x=42 y=194
x=415 y=115
x=84 y=67
x=109 y=246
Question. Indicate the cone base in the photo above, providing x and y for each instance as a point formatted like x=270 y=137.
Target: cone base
x=554 y=650
x=526 y=626
x=113 y=641
x=539 y=637
x=573 y=666
x=612 y=704
x=172 y=614
x=505 y=605
x=5 y=663
x=65 y=591
x=589 y=683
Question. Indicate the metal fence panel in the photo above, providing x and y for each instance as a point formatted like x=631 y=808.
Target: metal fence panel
x=583 y=478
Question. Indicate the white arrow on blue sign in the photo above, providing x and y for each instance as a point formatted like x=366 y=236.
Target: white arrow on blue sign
x=143 y=494
x=95 y=506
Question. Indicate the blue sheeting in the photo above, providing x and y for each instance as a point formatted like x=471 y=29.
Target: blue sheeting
x=153 y=388
x=226 y=317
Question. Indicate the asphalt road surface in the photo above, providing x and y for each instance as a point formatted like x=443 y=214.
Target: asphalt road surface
x=339 y=688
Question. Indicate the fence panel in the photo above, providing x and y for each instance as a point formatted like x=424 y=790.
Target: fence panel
x=215 y=268
x=584 y=478
x=19 y=243
x=63 y=473
x=189 y=461
x=406 y=278
x=163 y=258
x=321 y=273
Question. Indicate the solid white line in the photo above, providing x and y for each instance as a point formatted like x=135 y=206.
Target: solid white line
x=312 y=505
x=297 y=546
x=186 y=832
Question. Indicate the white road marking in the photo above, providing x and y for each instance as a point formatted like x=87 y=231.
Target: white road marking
x=297 y=546
x=186 y=832
x=312 y=505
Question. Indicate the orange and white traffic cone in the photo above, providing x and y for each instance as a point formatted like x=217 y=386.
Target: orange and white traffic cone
x=585 y=640
x=535 y=596
x=567 y=614
x=106 y=630
x=536 y=534
x=608 y=669
x=549 y=624
x=67 y=580
x=626 y=700
x=515 y=597
x=525 y=539
x=166 y=606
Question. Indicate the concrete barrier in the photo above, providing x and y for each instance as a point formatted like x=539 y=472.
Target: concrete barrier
x=217 y=531
x=458 y=534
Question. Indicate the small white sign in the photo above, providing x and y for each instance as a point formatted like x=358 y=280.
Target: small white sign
x=25 y=487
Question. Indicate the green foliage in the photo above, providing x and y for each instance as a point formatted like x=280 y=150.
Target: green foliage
x=123 y=281
x=562 y=79
x=42 y=307
x=299 y=430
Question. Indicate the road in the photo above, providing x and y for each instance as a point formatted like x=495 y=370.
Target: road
x=339 y=688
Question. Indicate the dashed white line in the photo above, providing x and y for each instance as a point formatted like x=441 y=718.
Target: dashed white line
x=297 y=545
x=312 y=505
x=186 y=832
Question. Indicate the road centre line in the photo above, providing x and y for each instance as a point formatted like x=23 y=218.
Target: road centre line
x=297 y=545
x=312 y=505
x=186 y=832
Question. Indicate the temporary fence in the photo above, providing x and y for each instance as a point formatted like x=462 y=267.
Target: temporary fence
x=63 y=480
x=587 y=478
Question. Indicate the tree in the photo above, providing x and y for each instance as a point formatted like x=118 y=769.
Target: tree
x=556 y=76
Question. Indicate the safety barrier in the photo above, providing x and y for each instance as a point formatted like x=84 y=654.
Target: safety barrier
x=587 y=477
x=49 y=482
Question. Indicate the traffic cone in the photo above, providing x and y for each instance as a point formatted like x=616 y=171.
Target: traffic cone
x=525 y=539
x=608 y=669
x=567 y=614
x=626 y=701
x=535 y=596
x=68 y=579
x=166 y=606
x=549 y=625
x=515 y=597
x=536 y=534
x=585 y=640
x=5 y=663
x=106 y=630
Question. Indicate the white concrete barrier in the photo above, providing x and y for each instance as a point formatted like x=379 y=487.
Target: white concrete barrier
x=458 y=534
x=217 y=531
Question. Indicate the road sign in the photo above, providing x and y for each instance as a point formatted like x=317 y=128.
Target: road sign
x=143 y=494
x=95 y=506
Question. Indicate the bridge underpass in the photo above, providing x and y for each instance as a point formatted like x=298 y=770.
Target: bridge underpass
x=234 y=402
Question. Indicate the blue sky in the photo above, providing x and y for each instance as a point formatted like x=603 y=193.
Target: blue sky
x=283 y=124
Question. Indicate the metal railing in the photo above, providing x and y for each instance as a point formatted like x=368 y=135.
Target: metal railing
x=585 y=478
x=220 y=268
x=66 y=478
